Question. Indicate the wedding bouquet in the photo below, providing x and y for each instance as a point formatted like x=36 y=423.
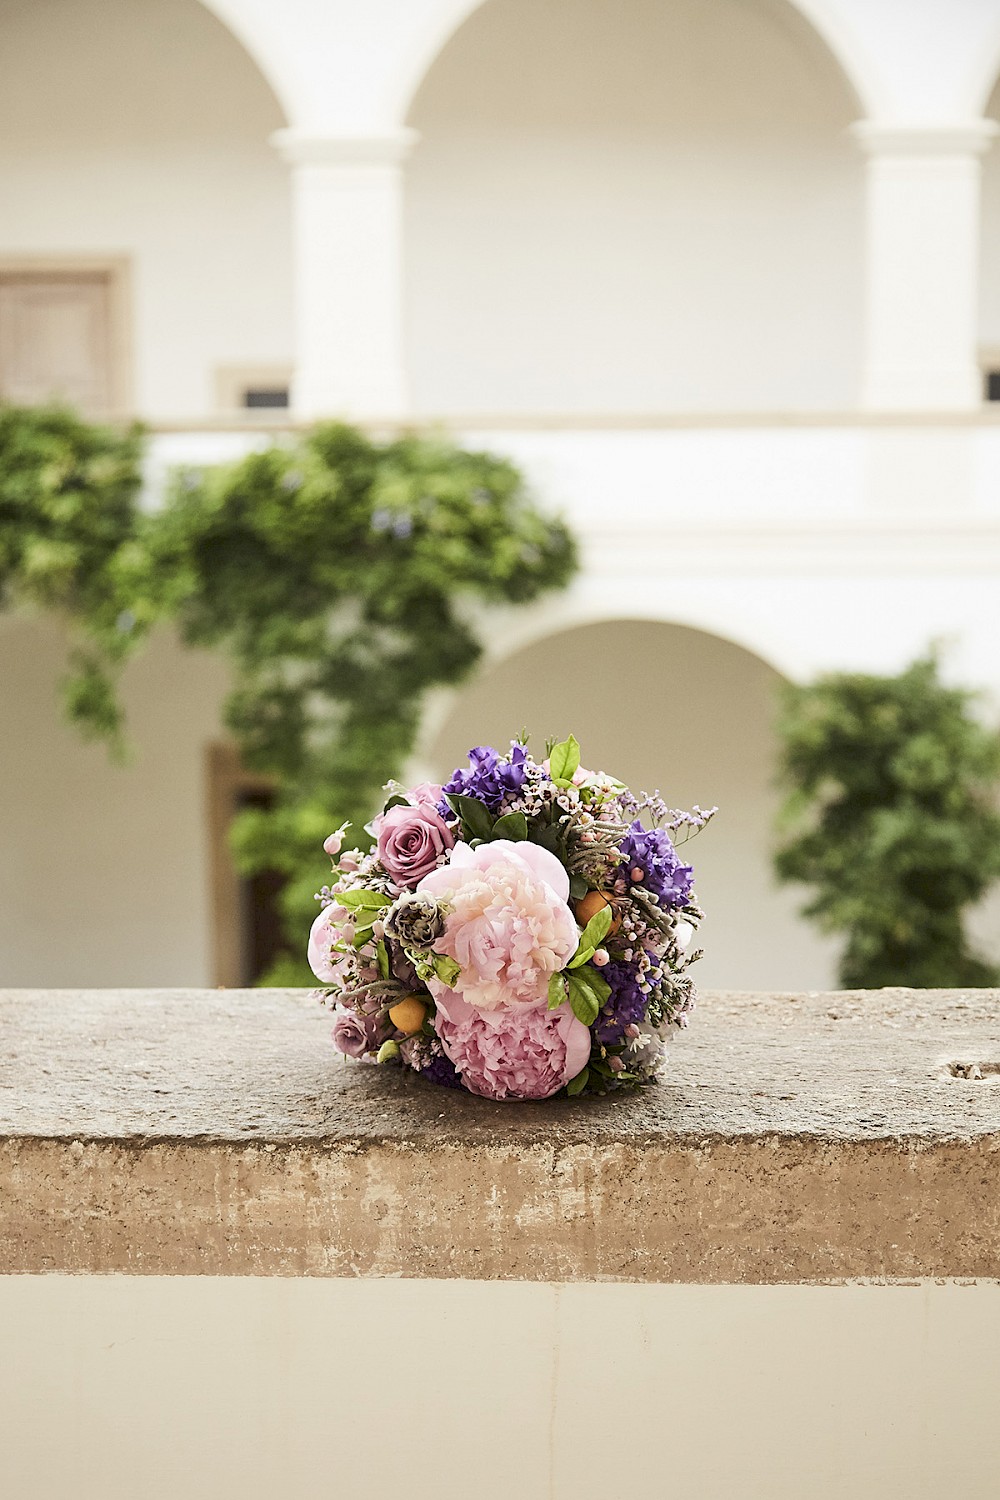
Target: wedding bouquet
x=515 y=932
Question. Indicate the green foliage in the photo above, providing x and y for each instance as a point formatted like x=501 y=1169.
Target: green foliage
x=68 y=526
x=337 y=574
x=891 y=814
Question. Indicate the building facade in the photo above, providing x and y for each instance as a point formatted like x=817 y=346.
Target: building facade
x=723 y=278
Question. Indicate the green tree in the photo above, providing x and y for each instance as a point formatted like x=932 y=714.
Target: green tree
x=891 y=815
x=339 y=575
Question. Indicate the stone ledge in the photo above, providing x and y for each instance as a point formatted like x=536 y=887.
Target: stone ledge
x=797 y=1138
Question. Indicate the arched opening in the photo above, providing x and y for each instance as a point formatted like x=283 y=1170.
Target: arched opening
x=138 y=133
x=633 y=206
x=664 y=706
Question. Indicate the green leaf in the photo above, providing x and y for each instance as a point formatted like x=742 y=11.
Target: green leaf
x=546 y=838
x=361 y=899
x=382 y=957
x=587 y=993
x=564 y=760
x=446 y=969
x=557 y=990
x=475 y=816
x=592 y=937
x=513 y=825
x=388 y=1052
x=578 y=887
x=582 y=955
x=597 y=928
x=395 y=801
x=579 y=1083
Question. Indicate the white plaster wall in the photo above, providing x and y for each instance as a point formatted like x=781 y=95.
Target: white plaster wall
x=682 y=712
x=104 y=868
x=632 y=207
x=251 y=1389
x=140 y=127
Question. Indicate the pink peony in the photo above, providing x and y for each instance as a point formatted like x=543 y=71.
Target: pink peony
x=509 y=926
x=513 y=1052
x=411 y=840
x=327 y=929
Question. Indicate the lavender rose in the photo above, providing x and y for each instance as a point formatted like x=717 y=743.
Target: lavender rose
x=411 y=840
x=354 y=1035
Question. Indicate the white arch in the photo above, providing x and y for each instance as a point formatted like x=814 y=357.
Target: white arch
x=442 y=19
x=257 y=29
x=984 y=72
x=507 y=632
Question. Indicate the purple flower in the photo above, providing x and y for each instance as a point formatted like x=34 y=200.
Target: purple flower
x=490 y=777
x=663 y=872
x=442 y=1070
x=625 y=1006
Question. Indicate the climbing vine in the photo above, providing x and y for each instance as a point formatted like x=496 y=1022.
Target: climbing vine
x=891 y=815
x=337 y=573
x=69 y=529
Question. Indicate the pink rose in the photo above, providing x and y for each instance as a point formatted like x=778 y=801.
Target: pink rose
x=425 y=791
x=509 y=927
x=354 y=1035
x=513 y=1052
x=327 y=929
x=411 y=840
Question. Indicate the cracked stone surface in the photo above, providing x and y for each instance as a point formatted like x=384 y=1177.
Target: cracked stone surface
x=796 y=1137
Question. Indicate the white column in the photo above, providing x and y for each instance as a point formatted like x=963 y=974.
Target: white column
x=347 y=229
x=922 y=277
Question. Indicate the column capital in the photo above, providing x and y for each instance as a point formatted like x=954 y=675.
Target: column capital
x=382 y=148
x=957 y=138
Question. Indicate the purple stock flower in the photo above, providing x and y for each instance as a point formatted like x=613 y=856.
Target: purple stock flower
x=489 y=779
x=625 y=1006
x=442 y=1070
x=663 y=872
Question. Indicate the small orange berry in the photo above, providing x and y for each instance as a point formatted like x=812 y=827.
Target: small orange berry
x=589 y=905
x=408 y=1014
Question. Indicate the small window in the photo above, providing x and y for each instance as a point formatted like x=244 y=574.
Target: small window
x=253 y=389
x=993 y=385
x=267 y=397
x=61 y=335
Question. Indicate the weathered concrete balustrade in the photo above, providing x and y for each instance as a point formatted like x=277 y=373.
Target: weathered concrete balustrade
x=797 y=1138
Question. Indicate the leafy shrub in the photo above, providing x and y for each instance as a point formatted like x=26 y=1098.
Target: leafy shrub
x=891 y=815
x=337 y=573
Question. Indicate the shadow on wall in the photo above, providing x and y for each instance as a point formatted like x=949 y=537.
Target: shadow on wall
x=669 y=708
